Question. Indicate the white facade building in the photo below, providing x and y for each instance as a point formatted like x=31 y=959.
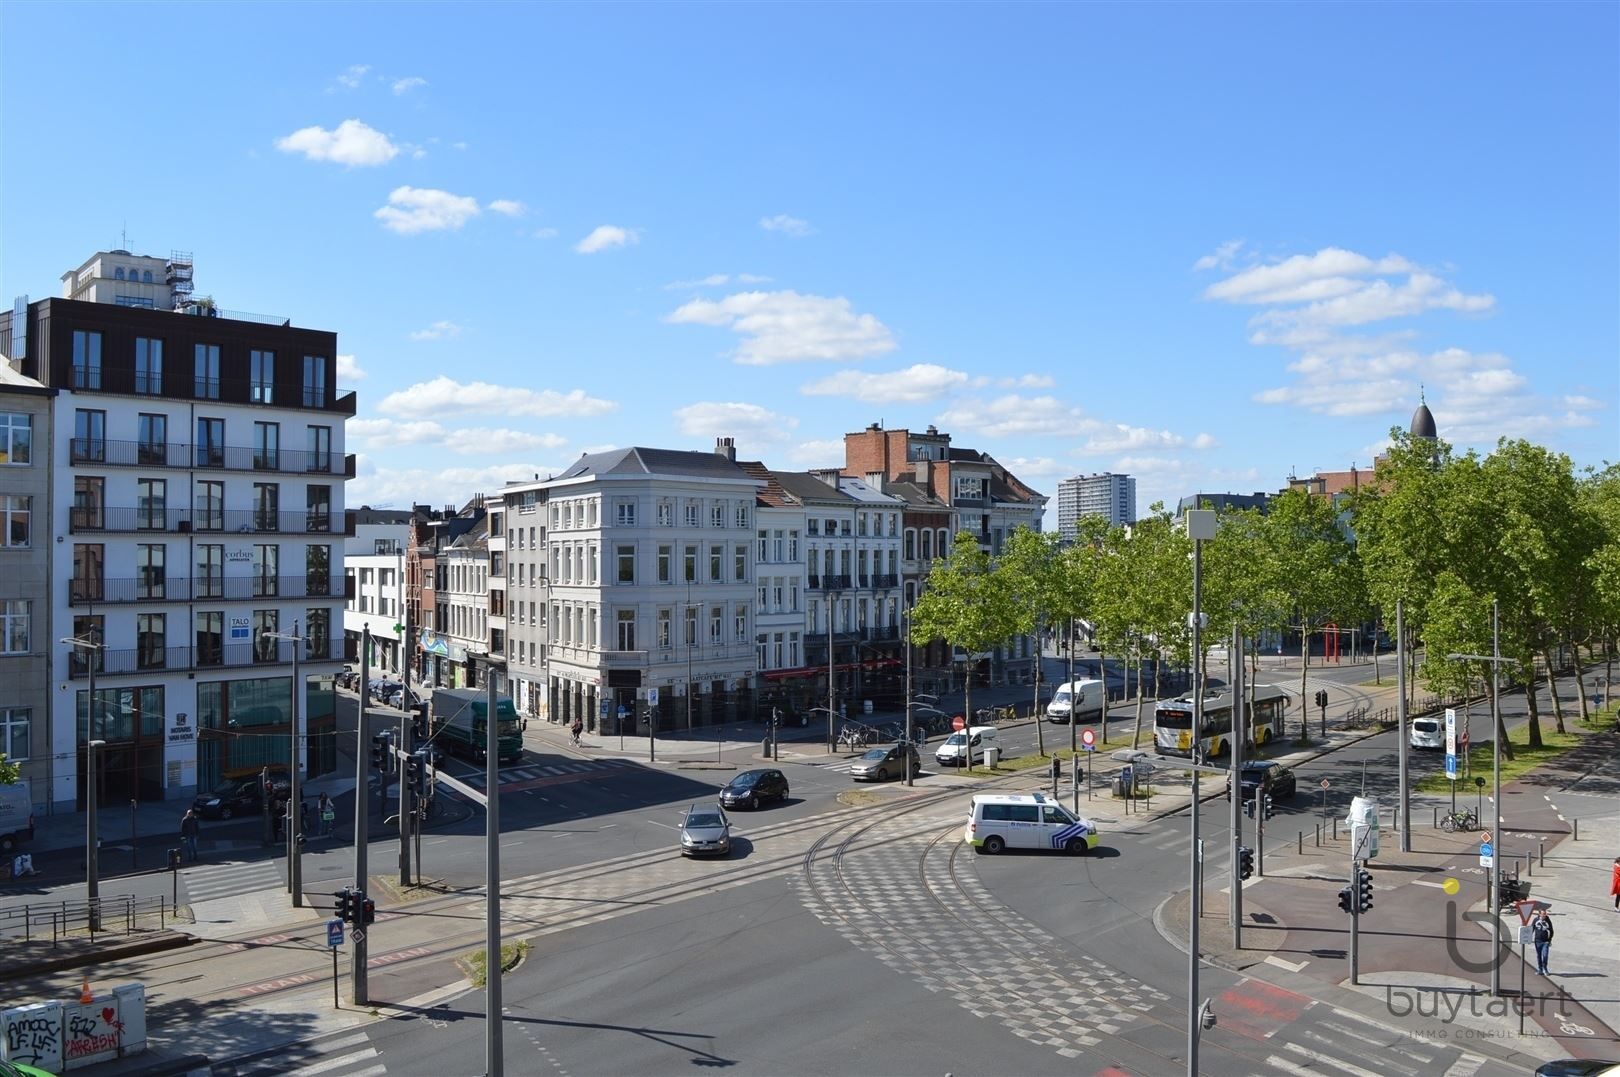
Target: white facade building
x=374 y=564
x=1110 y=496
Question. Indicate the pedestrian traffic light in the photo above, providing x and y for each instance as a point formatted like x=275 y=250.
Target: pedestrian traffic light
x=367 y=911
x=174 y=859
x=1248 y=808
x=1364 y=890
x=1270 y=808
x=1245 y=862
x=345 y=904
x=1345 y=901
x=1057 y=766
x=419 y=722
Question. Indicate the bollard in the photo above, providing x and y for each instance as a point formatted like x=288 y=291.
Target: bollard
x=1575 y=830
x=1543 y=852
x=1318 y=835
x=1335 y=828
x=1300 y=848
x=1437 y=818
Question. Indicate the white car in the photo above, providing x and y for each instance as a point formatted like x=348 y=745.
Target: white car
x=1427 y=733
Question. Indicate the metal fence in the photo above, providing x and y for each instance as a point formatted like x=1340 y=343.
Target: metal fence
x=62 y=920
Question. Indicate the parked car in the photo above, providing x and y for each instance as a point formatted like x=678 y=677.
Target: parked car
x=881 y=764
x=705 y=832
x=380 y=687
x=1255 y=771
x=346 y=677
x=752 y=788
x=1427 y=733
x=240 y=796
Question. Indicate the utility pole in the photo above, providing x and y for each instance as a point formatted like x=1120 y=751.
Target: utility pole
x=362 y=811
x=1235 y=790
x=494 y=1055
x=1073 y=724
x=905 y=615
x=295 y=801
x=1200 y=526
x=92 y=840
x=406 y=728
x=832 y=690
x=1405 y=827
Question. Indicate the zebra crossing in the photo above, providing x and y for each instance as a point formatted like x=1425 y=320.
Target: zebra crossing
x=350 y=1055
x=206 y=882
x=535 y=772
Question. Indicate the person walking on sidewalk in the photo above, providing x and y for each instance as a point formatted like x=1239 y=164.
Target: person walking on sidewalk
x=1541 y=933
x=1614 y=882
x=575 y=730
x=188 y=833
x=327 y=815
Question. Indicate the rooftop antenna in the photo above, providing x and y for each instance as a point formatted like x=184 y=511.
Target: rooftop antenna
x=123 y=237
x=1420 y=394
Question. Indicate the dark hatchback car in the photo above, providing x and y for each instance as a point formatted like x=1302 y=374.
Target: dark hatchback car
x=752 y=788
x=239 y=796
x=1282 y=780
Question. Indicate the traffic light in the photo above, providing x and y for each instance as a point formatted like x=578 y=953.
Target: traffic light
x=379 y=752
x=1364 y=890
x=416 y=772
x=1248 y=808
x=1321 y=697
x=367 y=911
x=1345 y=903
x=174 y=859
x=344 y=909
x=1270 y=809
x=419 y=722
x=1245 y=862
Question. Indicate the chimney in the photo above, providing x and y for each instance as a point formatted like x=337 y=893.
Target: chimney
x=923 y=477
x=726 y=447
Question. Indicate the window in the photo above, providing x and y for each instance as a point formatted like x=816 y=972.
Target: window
x=148 y=366
x=320 y=449
x=739 y=563
x=208 y=505
x=742 y=514
x=691 y=625
x=927 y=545
x=689 y=557
x=317 y=570
x=626 y=557
x=717 y=515
x=79 y=659
x=317 y=632
x=666 y=514
x=16 y=439
x=15 y=515
x=717 y=561
x=625 y=623
x=314 y=381
x=793 y=546
x=793 y=594
x=967 y=487
x=14 y=724
x=153 y=434
x=208 y=578
x=911 y=544
x=14 y=625
x=663 y=628
x=89 y=435
x=497 y=563
x=777 y=602
x=266 y=506
x=764 y=591
x=151 y=497
x=86 y=360
x=266 y=570
x=205 y=372
x=716 y=619
x=267 y=446
x=210 y=442
x=89 y=495
x=624 y=514
x=118 y=274
x=262 y=377
x=860 y=528
x=590 y=564
x=88 y=562
x=692 y=516
x=813 y=527
x=151 y=639
x=666 y=554
x=740 y=623
x=266 y=645
x=150 y=579
x=318 y=507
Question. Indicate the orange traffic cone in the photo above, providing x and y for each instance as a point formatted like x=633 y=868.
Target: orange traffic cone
x=85 y=997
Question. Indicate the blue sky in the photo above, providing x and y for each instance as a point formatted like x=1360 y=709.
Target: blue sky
x=1206 y=245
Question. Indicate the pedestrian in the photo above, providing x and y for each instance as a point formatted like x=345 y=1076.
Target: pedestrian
x=1541 y=933
x=1614 y=882
x=575 y=730
x=303 y=816
x=188 y=833
x=327 y=815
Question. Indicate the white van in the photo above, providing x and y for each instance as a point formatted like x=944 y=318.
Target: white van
x=16 y=817
x=955 y=751
x=1427 y=733
x=1080 y=699
x=998 y=821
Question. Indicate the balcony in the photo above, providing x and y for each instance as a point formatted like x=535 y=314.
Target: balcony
x=881 y=632
x=161 y=588
x=188 y=521
x=144 y=660
x=885 y=579
x=175 y=454
x=830 y=583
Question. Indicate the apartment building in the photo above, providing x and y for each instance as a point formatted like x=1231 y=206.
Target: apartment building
x=375 y=583
x=1111 y=496
x=26 y=439
x=527 y=594
x=196 y=491
x=784 y=680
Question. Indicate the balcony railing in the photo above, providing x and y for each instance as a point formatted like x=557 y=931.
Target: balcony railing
x=162 y=588
x=221 y=457
x=127 y=380
x=829 y=583
x=885 y=579
x=141 y=660
x=186 y=521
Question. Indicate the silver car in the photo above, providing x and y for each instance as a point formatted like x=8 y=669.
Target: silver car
x=706 y=832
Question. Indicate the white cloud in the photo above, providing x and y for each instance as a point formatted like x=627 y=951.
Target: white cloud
x=376 y=485
x=1119 y=437
x=1221 y=257
x=445 y=396
x=486 y=442
x=508 y=207
x=713 y=280
x=390 y=434
x=921 y=381
x=809 y=454
x=349 y=370
x=1028 y=467
x=788 y=226
x=437 y=331
x=545 y=233
x=747 y=422
x=406 y=85
x=605 y=236
x=350 y=143
x=786 y=327
x=423 y=209
x=1275 y=283
x=1014 y=414
x=1027 y=381
x=353 y=76
x=752 y=278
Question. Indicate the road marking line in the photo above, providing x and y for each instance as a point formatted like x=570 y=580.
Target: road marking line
x=334 y=1063
x=1323 y=1060
x=1286 y=1066
x=1291 y=966
x=1426 y=882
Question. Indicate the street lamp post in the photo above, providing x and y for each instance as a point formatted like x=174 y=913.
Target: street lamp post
x=911 y=744
x=92 y=841
x=1493 y=900
x=295 y=804
x=832 y=690
x=1200 y=526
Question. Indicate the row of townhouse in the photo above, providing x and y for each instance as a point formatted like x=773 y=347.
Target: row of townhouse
x=172 y=481
x=684 y=588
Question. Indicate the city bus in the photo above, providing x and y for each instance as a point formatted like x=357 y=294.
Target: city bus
x=1173 y=722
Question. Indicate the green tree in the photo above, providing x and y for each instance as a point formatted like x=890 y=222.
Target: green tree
x=10 y=773
x=1143 y=596
x=1031 y=568
x=965 y=605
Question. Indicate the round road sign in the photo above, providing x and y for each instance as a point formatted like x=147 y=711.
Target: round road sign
x=1088 y=737
x=958 y=722
x=1326 y=783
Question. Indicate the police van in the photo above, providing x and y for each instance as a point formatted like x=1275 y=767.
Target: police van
x=998 y=821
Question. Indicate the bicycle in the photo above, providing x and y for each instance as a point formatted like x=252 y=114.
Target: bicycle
x=1463 y=819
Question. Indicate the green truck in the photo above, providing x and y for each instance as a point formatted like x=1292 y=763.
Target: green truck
x=459 y=724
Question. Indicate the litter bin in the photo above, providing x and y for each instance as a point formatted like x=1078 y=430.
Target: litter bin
x=1119 y=788
x=992 y=756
